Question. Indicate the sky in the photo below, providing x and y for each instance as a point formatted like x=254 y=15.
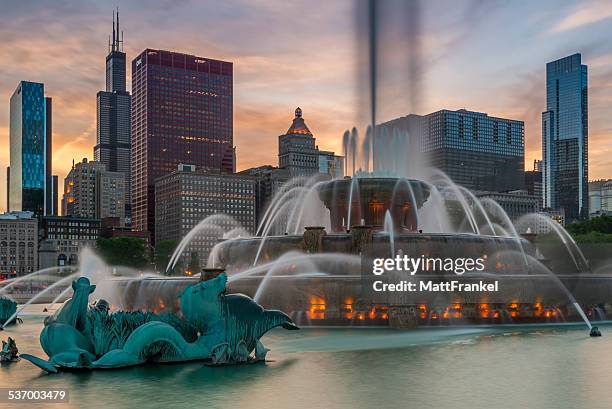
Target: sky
x=487 y=56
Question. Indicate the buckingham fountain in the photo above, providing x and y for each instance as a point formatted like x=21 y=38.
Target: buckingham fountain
x=317 y=245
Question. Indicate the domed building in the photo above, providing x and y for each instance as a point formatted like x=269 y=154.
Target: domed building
x=297 y=150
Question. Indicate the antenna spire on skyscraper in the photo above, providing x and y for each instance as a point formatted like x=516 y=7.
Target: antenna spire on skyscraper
x=113 y=49
x=118 y=40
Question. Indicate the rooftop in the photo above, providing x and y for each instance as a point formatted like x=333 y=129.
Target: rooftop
x=298 y=127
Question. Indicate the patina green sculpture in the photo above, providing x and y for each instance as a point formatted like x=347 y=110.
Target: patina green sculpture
x=8 y=308
x=9 y=352
x=212 y=326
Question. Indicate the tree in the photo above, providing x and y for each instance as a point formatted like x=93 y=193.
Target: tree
x=600 y=224
x=123 y=251
x=163 y=252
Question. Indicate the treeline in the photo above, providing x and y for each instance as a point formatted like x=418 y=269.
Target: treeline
x=134 y=252
x=595 y=230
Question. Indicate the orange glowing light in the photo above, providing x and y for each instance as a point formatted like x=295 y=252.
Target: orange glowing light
x=348 y=308
x=317 y=308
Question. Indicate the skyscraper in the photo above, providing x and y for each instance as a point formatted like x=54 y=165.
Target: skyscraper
x=80 y=189
x=50 y=180
x=113 y=142
x=477 y=151
x=565 y=138
x=181 y=113
x=29 y=136
x=297 y=150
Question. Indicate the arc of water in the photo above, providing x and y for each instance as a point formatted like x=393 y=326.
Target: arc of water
x=500 y=212
x=565 y=237
x=312 y=190
x=300 y=257
x=366 y=149
x=300 y=203
x=353 y=143
x=40 y=294
x=562 y=286
x=59 y=297
x=452 y=187
x=273 y=208
x=345 y=149
x=278 y=197
x=390 y=230
x=478 y=205
x=31 y=276
x=406 y=182
x=214 y=222
x=265 y=233
x=436 y=200
x=354 y=185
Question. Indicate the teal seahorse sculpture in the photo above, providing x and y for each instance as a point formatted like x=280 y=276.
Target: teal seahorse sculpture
x=8 y=308
x=214 y=326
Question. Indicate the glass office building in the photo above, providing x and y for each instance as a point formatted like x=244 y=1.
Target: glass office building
x=477 y=151
x=181 y=113
x=28 y=148
x=565 y=138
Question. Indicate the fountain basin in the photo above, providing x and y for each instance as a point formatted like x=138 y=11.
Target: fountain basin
x=370 y=198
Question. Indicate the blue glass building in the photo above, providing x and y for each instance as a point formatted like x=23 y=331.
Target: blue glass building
x=565 y=138
x=28 y=148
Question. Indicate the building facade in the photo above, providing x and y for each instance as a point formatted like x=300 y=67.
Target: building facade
x=297 y=150
x=110 y=195
x=269 y=181
x=515 y=203
x=91 y=191
x=18 y=243
x=565 y=137
x=331 y=164
x=533 y=182
x=600 y=197
x=181 y=113
x=80 y=189
x=113 y=130
x=477 y=151
x=188 y=196
x=63 y=237
x=30 y=148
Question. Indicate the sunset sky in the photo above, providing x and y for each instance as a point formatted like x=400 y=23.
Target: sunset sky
x=486 y=56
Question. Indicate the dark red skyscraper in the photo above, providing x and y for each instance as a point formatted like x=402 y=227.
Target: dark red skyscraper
x=181 y=113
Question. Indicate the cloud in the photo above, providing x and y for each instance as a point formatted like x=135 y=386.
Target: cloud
x=583 y=15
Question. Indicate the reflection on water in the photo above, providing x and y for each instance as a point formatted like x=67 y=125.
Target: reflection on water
x=499 y=367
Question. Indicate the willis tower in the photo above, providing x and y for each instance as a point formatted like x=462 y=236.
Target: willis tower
x=113 y=144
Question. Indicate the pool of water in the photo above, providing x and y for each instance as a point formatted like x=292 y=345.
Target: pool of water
x=484 y=367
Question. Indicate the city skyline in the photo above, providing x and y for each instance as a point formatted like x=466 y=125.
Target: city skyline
x=290 y=65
